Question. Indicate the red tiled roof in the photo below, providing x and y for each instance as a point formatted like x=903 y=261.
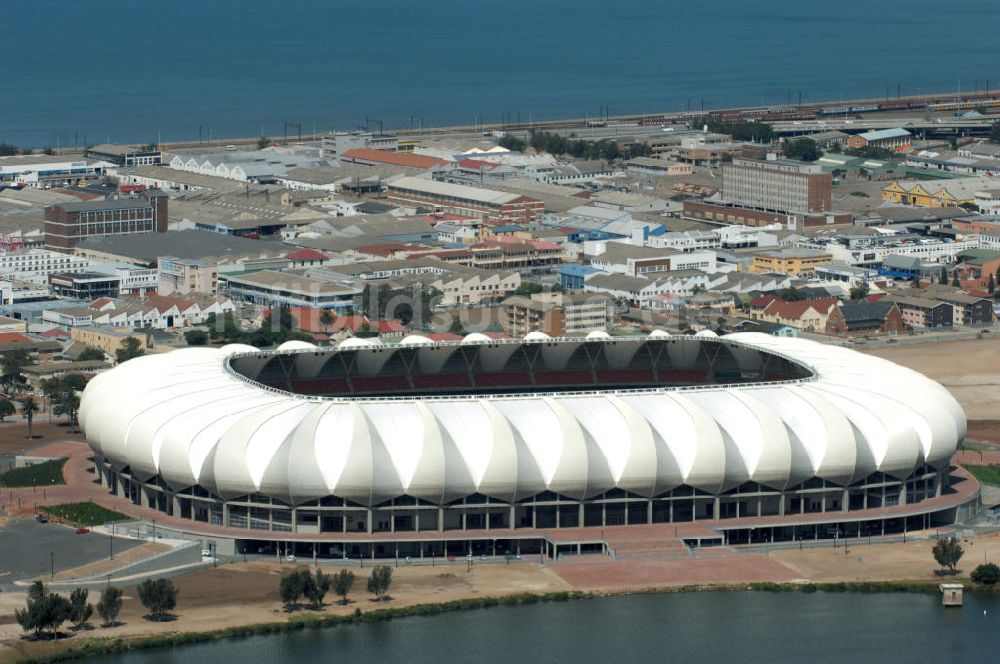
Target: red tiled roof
x=306 y=254
x=13 y=338
x=874 y=297
x=389 y=326
x=442 y=336
x=54 y=333
x=477 y=164
x=763 y=300
x=393 y=158
x=795 y=310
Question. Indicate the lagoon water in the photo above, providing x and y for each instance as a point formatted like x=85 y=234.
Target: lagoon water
x=122 y=70
x=746 y=627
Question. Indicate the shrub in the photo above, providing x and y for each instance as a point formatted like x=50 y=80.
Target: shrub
x=986 y=574
x=159 y=596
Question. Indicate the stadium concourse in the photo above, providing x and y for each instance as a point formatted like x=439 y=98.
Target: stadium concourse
x=525 y=446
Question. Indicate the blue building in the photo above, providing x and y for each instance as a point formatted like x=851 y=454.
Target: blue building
x=574 y=276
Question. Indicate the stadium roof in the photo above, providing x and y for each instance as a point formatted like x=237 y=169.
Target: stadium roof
x=225 y=418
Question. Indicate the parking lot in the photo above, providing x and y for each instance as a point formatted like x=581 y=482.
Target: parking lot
x=29 y=549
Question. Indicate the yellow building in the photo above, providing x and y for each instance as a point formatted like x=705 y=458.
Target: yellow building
x=109 y=339
x=793 y=262
x=946 y=193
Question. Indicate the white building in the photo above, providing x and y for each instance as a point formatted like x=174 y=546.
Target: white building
x=35 y=265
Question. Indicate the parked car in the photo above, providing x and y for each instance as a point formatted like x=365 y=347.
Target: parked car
x=41 y=518
x=82 y=531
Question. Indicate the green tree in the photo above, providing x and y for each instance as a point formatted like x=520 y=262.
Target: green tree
x=44 y=611
x=955 y=281
x=109 y=606
x=947 y=552
x=91 y=354
x=793 y=295
x=28 y=408
x=326 y=319
x=196 y=337
x=291 y=588
x=859 y=290
x=379 y=582
x=11 y=364
x=263 y=142
x=80 y=608
x=992 y=285
x=342 y=582
x=986 y=574
x=131 y=348
x=512 y=143
x=871 y=152
x=8 y=150
x=159 y=596
x=943 y=276
x=66 y=402
x=6 y=409
x=315 y=588
x=75 y=382
x=528 y=288
x=803 y=149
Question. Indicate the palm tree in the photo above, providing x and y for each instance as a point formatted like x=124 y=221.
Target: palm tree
x=28 y=408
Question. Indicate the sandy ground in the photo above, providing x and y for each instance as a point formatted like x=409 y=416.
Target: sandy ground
x=969 y=368
x=14 y=434
x=242 y=594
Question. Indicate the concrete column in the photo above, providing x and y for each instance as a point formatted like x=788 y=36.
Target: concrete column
x=295 y=520
x=604 y=514
x=715 y=509
x=440 y=516
x=368 y=523
x=781 y=503
x=225 y=515
x=580 y=516
x=463 y=519
x=845 y=501
x=513 y=515
x=558 y=515
x=649 y=512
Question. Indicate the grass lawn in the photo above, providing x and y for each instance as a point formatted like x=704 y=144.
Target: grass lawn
x=987 y=474
x=40 y=474
x=979 y=447
x=84 y=514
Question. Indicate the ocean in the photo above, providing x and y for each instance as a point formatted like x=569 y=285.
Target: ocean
x=124 y=71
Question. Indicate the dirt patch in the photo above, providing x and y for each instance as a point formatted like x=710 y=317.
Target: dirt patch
x=970 y=369
x=14 y=434
x=984 y=430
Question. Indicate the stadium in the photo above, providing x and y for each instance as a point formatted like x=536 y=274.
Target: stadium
x=526 y=445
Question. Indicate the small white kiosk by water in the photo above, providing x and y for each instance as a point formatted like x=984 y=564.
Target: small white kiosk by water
x=951 y=594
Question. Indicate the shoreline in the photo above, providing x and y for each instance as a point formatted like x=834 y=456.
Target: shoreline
x=97 y=646
x=563 y=122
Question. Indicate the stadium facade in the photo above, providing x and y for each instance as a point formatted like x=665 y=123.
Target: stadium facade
x=487 y=439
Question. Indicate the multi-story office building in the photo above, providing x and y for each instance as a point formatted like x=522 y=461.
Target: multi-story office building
x=125 y=155
x=35 y=265
x=777 y=185
x=791 y=261
x=185 y=275
x=67 y=224
x=85 y=285
x=557 y=314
